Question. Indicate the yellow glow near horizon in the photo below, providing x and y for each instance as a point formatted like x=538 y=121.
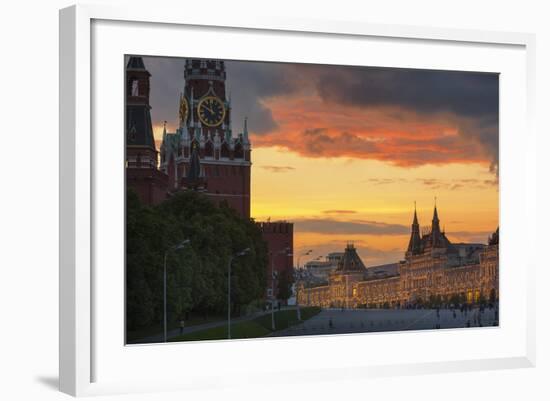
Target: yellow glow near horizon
x=291 y=187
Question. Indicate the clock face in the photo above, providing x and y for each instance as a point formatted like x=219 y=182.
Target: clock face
x=184 y=109
x=211 y=111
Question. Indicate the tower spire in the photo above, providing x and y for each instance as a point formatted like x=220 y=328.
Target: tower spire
x=194 y=165
x=437 y=239
x=414 y=247
x=245 y=130
x=435 y=220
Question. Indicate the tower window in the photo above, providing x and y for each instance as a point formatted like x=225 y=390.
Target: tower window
x=135 y=87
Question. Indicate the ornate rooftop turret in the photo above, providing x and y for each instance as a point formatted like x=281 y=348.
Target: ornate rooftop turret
x=435 y=238
x=415 y=245
x=245 y=132
x=194 y=165
x=135 y=63
x=350 y=262
x=194 y=179
x=139 y=127
x=435 y=221
x=493 y=239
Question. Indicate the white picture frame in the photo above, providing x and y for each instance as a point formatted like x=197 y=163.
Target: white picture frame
x=83 y=348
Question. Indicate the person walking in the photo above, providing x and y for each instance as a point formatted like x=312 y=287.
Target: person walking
x=182 y=326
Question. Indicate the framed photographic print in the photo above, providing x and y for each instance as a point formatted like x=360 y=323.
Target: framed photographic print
x=309 y=188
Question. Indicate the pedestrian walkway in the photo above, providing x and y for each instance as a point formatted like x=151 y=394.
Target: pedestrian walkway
x=338 y=321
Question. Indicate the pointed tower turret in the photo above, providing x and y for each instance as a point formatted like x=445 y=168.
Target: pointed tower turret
x=438 y=239
x=245 y=131
x=350 y=262
x=142 y=174
x=140 y=142
x=194 y=172
x=415 y=241
x=194 y=179
x=435 y=222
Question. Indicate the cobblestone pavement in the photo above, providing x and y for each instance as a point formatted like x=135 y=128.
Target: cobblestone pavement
x=337 y=321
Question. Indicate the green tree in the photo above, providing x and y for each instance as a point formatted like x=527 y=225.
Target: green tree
x=284 y=284
x=197 y=274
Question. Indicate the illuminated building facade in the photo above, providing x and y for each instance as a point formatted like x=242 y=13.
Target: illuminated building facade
x=434 y=271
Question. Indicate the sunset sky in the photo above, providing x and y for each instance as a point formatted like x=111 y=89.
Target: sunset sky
x=344 y=152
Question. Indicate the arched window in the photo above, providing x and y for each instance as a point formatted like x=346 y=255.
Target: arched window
x=134 y=87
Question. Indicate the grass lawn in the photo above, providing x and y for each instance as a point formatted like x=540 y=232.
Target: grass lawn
x=286 y=318
x=254 y=328
x=159 y=329
x=248 y=329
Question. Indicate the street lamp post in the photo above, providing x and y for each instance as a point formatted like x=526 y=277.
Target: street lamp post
x=287 y=252
x=272 y=294
x=298 y=312
x=241 y=253
x=173 y=248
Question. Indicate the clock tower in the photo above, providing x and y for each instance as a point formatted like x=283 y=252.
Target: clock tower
x=204 y=113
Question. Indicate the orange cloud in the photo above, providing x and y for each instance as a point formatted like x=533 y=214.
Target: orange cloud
x=313 y=128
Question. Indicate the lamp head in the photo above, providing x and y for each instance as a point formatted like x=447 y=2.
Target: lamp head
x=243 y=252
x=182 y=244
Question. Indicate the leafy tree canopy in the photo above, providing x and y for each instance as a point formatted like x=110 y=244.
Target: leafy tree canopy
x=197 y=274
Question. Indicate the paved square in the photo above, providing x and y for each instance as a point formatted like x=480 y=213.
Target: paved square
x=337 y=321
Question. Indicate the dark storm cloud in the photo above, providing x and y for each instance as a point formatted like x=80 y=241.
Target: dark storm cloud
x=167 y=83
x=425 y=91
x=249 y=83
x=468 y=100
x=470 y=96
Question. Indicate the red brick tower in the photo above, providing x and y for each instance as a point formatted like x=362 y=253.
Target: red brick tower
x=279 y=236
x=142 y=174
x=205 y=125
